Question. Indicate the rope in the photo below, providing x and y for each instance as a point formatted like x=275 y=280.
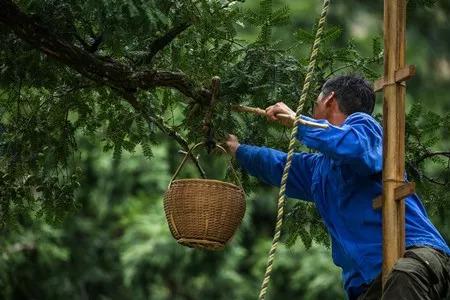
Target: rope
x=281 y=194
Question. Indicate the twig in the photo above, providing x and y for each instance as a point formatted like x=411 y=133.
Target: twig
x=158 y=121
x=150 y=117
x=338 y=69
x=73 y=89
x=435 y=181
x=161 y=42
x=431 y=154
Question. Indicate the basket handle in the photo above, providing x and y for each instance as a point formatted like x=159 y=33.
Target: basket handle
x=186 y=156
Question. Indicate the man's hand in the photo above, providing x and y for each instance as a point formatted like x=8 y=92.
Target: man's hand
x=280 y=108
x=232 y=144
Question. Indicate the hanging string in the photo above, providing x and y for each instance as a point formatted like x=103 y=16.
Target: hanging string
x=281 y=195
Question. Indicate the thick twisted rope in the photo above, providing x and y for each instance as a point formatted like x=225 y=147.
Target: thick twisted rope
x=281 y=194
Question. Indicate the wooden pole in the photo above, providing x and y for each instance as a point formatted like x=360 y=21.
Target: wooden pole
x=288 y=120
x=393 y=210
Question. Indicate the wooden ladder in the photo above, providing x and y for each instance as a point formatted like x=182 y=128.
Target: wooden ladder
x=393 y=85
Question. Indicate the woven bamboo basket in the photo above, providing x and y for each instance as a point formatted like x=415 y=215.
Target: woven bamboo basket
x=203 y=213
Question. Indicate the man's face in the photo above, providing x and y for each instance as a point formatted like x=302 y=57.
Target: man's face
x=320 y=109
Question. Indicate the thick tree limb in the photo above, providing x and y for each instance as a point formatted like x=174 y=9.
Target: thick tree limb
x=176 y=80
x=99 y=69
x=105 y=71
x=161 y=42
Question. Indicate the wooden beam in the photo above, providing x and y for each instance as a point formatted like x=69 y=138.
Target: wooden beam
x=378 y=85
x=377 y=203
x=393 y=211
x=405 y=190
x=401 y=75
x=405 y=73
x=400 y=192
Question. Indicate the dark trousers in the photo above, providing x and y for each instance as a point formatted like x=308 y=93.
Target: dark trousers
x=422 y=273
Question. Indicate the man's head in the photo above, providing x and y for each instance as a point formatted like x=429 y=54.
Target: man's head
x=343 y=95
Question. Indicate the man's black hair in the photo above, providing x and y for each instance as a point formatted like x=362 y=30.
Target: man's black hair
x=353 y=93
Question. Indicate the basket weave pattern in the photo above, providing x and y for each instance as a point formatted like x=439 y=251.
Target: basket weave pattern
x=203 y=213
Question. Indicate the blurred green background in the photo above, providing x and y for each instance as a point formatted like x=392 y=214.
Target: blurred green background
x=116 y=244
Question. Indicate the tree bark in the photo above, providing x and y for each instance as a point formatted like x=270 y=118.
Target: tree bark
x=106 y=71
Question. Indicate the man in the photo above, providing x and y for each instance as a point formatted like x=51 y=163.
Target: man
x=342 y=179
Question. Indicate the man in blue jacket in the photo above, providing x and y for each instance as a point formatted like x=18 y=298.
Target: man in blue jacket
x=342 y=179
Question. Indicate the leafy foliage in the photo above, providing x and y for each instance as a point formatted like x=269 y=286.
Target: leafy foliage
x=42 y=114
x=115 y=249
x=424 y=132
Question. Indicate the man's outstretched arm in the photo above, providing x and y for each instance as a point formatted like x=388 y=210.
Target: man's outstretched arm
x=358 y=141
x=268 y=164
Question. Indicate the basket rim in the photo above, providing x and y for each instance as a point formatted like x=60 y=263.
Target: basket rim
x=207 y=180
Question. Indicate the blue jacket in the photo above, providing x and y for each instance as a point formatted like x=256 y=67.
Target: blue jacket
x=341 y=180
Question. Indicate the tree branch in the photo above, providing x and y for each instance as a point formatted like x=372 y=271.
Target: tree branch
x=93 y=47
x=100 y=69
x=161 y=42
x=432 y=180
x=19 y=247
x=106 y=71
x=161 y=124
x=62 y=93
x=431 y=154
x=176 y=80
